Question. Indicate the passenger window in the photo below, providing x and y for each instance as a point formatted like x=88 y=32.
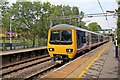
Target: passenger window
x=81 y=38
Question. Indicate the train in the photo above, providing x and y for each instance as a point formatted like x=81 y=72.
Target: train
x=66 y=41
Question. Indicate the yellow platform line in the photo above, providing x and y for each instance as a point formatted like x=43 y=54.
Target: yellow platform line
x=79 y=76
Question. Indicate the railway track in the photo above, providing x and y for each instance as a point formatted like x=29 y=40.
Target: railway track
x=21 y=62
x=16 y=70
x=39 y=74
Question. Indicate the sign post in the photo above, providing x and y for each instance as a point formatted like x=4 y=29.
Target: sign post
x=11 y=18
x=10 y=36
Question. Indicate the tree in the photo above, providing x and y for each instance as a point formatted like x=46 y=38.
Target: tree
x=5 y=15
x=66 y=14
x=94 y=27
x=75 y=10
x=32 y=17
x=4 y=19
x=118 y=23
x=23 y=14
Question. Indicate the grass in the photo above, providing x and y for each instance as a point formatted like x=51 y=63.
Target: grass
x=14 y=41
x=27 y=42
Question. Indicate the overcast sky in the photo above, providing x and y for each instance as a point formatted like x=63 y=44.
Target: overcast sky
x=89 y=7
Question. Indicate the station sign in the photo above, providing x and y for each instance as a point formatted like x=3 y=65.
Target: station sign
x=10 y=32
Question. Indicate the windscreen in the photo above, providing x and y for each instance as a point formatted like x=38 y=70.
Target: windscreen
x=61 y=37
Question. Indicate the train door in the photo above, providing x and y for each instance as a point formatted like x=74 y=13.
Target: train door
x=81 y=38
x=90 y=40
x=98 y=38
x=78 y=39
x=87 y=38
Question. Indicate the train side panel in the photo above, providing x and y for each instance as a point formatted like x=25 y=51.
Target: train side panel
x=83 y=41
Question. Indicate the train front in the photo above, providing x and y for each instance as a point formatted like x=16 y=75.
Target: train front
x=61 y=44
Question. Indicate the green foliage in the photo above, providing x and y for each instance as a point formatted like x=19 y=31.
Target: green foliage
x=119 y=49
x=5 y=16
x=75 y=11
x=32 y=20
x=118 y=23
x=60 y=12
x=118 y=35
x=94 y=27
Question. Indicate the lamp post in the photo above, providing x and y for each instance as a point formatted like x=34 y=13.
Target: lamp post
x=10 y=33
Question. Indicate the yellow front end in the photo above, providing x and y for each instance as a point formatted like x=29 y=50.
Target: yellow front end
x=62 y=49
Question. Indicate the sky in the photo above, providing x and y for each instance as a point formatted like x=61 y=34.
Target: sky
x=90 y=7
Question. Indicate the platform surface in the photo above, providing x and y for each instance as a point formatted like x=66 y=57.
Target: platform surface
x=106 y=67
x=20 y=51
x=110 y=68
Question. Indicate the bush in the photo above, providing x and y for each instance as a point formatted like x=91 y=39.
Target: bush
x=43 y=42
x=118 y=35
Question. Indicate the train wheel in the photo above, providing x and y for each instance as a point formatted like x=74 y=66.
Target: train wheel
x=70 y=59
x=53 y=59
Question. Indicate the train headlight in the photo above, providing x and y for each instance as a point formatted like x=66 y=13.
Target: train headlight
x=69 y=50
x=51 y=49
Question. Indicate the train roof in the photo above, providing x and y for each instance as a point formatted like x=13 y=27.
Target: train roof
x=71 y=26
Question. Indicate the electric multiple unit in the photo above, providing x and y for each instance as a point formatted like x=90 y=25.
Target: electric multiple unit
x=65 y=41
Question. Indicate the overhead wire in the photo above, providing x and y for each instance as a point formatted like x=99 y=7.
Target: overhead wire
x=86 y=16
x=101 y=8
x=103 y=12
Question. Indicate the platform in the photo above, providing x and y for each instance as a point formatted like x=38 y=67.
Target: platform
x=20 y=51
x=107 y=66
x=98 y=63
x=12 y=56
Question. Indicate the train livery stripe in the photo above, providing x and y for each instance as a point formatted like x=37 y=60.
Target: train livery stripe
x=85 y=69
